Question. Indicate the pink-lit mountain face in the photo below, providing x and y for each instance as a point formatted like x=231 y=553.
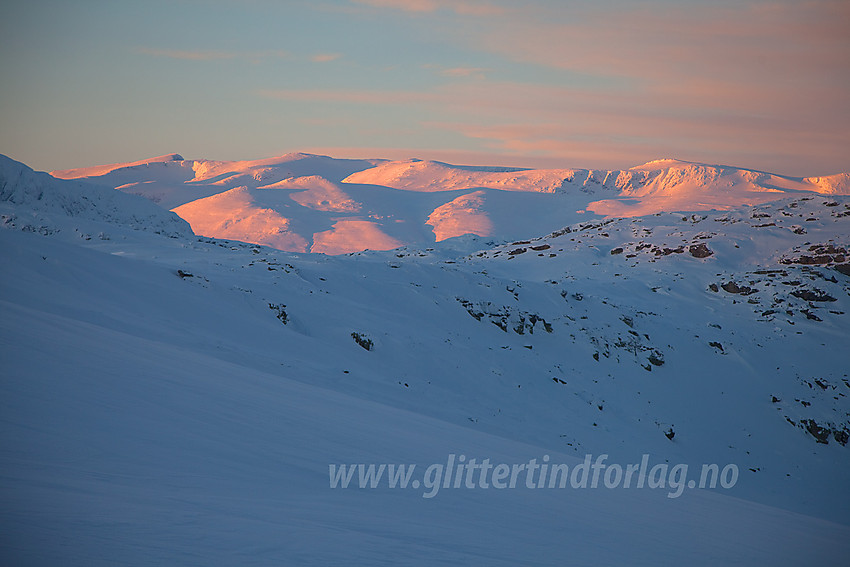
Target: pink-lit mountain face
x=311 y=203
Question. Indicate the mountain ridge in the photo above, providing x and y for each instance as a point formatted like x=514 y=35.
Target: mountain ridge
x=316 y=199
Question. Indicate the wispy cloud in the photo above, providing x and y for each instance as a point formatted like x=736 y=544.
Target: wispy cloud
x=352 y=96
x=325 y=57
x=656 y=40
x=218 y=55
x=587 y=127
x=189 y=55
x=461 y=7
x=474 y=72
x=213 y=55
x=406 y=5
x=761 y=84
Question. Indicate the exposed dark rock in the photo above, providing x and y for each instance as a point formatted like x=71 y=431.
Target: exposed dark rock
x=504 y=317
x=821 y=434
x=363 y=341
x=827 y=249
x=812 y=295
x=280 y=309
x=815 y=260
x=732 y=287
x=656 y=359
x=809 y=315
x=699 y=251
x=677 y=250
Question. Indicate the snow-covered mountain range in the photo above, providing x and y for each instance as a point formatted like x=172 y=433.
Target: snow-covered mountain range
x=176 y=395
x=310 y=203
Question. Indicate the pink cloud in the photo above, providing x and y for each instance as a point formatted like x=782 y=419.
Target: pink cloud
x=212 y=55
x=715 y=120
x=325 y=57
x=406 y=5
x=461 y=7
x=476 y=72
x=651 y=41
x=354 y=96
x=189 y=55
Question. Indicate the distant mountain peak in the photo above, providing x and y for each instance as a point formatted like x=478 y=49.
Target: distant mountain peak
x=662 y=163
x=98 y=170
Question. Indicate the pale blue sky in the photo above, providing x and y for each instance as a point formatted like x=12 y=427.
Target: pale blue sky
x=537 y=82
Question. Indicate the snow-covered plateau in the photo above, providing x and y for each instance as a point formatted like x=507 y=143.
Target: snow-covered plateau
x=191 y=351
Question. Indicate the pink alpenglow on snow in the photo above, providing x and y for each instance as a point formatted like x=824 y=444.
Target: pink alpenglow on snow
x=310 y=203
x=352 y=235
x=461 y=216
x=235 y=215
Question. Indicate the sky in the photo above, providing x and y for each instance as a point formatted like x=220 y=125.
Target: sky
x=606 y=84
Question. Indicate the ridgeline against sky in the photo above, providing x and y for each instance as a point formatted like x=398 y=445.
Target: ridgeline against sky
x=538 y=83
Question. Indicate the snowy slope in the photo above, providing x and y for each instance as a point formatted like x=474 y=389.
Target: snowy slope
x=673 y=185
x=171 y=181
x=27 y=196
x=430 y=176
x=103 y=170
x=335 y=206
x=125 y=449
x=179 y=400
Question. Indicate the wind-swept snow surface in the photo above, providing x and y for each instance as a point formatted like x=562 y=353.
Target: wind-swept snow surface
x=378 y=204
x=174 y=399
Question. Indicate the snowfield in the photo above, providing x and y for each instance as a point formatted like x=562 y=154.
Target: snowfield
x=171 y=397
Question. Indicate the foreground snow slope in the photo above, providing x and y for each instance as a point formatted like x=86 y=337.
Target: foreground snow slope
x=309 y=203
x=170 y=399
x=35 y=194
